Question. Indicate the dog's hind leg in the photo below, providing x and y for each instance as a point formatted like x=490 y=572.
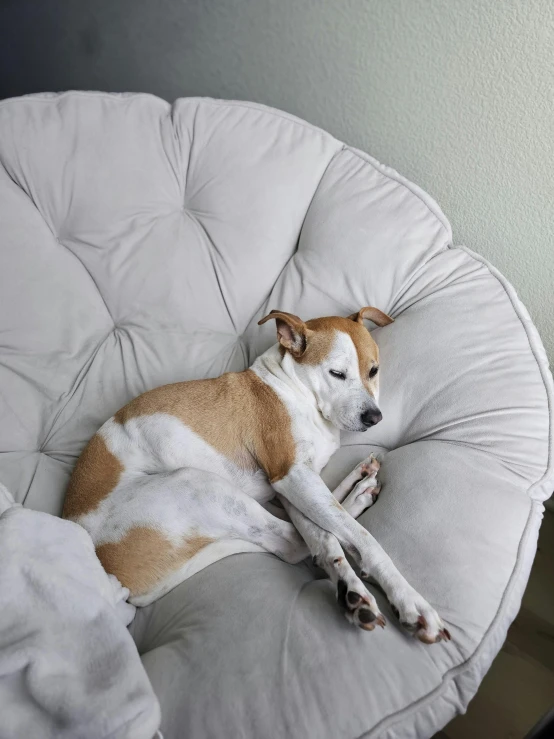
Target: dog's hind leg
x=201 y=518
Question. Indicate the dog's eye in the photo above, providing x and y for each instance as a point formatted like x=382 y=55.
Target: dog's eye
x=373 y=371
x=336 y=373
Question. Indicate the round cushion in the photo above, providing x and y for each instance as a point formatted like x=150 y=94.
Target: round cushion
x=141 y=242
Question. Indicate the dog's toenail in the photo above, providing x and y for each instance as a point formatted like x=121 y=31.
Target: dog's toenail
x=353 y=597
x=366 y=616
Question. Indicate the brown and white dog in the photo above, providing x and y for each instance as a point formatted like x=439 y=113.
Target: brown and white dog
x=183 y=475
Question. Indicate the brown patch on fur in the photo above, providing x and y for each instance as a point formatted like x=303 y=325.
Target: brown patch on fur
x=237 y=414
x=322 y=334
x=145 y=556
x=269 y=429
x=96 y=474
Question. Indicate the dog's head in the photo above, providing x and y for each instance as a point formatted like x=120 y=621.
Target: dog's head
x=338 y=361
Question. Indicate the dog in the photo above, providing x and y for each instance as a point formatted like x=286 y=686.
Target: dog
x=185 y=474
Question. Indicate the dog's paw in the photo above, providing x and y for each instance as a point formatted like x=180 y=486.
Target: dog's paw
x=364 y=493
x=421 y=620
x=360 y=607
x=368 y=467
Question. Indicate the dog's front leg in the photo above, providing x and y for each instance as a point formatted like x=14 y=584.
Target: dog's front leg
x=359 y=490
x=359 y=605
x=307 y=492
x=357 y=474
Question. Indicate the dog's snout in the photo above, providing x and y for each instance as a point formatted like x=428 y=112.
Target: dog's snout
x=371 y=416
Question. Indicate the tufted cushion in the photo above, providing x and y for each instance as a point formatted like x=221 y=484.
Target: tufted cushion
x=140 y=243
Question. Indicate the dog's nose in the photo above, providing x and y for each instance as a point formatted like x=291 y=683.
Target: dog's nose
x=371 y=417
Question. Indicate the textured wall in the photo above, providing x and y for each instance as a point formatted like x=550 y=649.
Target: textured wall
x=456 y=94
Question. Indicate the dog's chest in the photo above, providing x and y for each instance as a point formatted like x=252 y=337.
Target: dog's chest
x=316 y=440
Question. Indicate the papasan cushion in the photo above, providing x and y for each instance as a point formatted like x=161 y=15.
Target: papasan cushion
x=141 y=242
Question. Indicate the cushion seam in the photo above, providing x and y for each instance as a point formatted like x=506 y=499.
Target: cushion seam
x=316 y=190
x=32 y=478
x=55 y=236
x=189 y=158
x=212 y=251
x=66 y=398
x=300 y=230
x=83 y=265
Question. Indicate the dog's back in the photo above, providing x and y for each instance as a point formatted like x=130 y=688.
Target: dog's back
x=165 y=477
x=235 y=424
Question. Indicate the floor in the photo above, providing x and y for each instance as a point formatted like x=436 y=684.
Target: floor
x=519 y=687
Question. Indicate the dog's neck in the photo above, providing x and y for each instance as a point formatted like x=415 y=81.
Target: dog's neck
x=278 y=370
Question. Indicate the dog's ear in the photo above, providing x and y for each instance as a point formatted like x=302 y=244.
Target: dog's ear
x=292 y=332
x=371 y=314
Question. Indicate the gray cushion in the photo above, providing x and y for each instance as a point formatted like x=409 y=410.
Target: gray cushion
x=140 y=244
